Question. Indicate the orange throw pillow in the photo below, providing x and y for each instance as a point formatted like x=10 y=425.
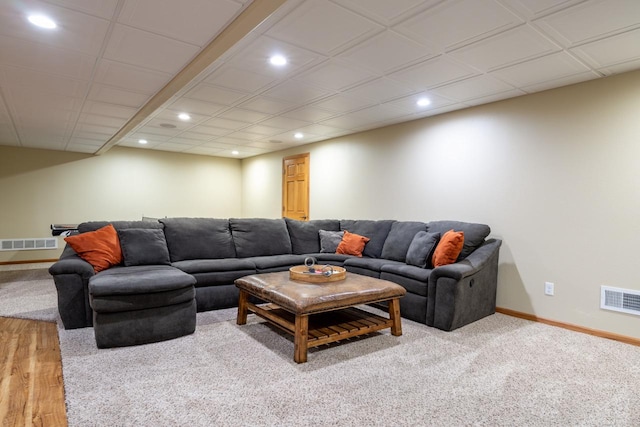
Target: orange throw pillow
x=448 y=248
x=352 y=244
x=100 y=248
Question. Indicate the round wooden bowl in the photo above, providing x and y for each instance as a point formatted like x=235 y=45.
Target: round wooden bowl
x=301 y=273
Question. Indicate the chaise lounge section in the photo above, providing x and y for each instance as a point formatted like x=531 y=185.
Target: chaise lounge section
x=211 y=253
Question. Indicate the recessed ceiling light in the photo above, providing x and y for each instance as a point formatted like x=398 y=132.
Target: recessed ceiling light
x=423 y=102
x=184 y=116
x=235 y=152
x=298 y=135
x=42 y=21
x=278 y=60
x=142 y=141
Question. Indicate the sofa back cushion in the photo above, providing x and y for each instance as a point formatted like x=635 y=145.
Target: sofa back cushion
x=376 y=231
x=118 y=225
x=304 y=235
x=400 y=236
x=260 y=236
x=474 y=234
x=198 y=238
x=143 y=246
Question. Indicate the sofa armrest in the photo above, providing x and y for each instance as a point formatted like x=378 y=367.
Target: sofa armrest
x=465 y=291
x=71 y=276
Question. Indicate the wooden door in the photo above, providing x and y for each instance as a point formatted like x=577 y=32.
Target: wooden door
x=295 y=187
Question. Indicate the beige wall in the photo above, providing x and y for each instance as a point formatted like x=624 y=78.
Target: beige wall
x=555 y=174
x=40 y=187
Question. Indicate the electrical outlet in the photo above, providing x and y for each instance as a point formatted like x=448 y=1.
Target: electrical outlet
x=549 y=288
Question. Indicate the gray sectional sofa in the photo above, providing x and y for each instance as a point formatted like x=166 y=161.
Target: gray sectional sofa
x=203 y=257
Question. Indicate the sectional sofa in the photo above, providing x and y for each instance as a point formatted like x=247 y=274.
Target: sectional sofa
x=191 y=264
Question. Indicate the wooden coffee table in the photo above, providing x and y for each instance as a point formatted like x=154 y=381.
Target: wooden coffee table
x=319 y=313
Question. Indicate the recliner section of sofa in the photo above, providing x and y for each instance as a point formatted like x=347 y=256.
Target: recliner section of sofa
x=218 y=251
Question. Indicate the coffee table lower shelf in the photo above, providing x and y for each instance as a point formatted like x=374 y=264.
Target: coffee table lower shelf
x=321 y=328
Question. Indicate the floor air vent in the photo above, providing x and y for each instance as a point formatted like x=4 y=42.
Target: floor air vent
x=28 y=244
x=617 y=299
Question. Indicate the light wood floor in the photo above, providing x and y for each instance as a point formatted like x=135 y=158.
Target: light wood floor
x=31 y=387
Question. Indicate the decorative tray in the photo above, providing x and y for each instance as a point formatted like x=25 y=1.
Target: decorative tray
x=315 y=273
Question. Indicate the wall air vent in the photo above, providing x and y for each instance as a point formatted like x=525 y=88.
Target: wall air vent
x=617 y=299
x=28 y=244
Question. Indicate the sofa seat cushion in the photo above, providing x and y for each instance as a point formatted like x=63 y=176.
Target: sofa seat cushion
x=198 y=238
x=131 y=302
x=413 y=286
x=304 y=234
x=143 y=279
x=399 y=239
x=376 y=231
x=410 y=271
x=195 y=266
x=274 y=261
x=259 y=237
x=373 y=264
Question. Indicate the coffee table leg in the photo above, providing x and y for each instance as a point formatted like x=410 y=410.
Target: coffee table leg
x=394 y=315
x=300 y=338
x=242 y=308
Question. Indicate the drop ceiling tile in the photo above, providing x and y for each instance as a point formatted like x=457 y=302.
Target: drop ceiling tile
x=611 y=51
x=409 y=104
x=320 y=130
x=335 y=75
x=239 y=79
x=77 y=134
x=210 y=131
x=284 y=123
x=225 y=124
x=136 y=47
x=550 y=67
x=591 y=20
x=195 y=136
x=384 y=11
x=343 y=103
x=380 y=90
x=387 y=51
x=195 y=106
x=246 y=136
x=338 y=26
x=472 y=88
x=434 y=72
x=293 y=91
x=533 y=9
x=563 y=81
x=99 y=129
x=110 y=110
x=512 y=46
x=271 y=146
x=204 y=151
x=243 y=115
x=496 y=97
x=130 y=77
x=263 y=130
x=111 y=95
x=214 y=94
x=76 y=31
x=309 y=114
x=255 y=57
x=184 y=141
x=28 y=101
x=196 y=22
x=38 y=81
x=152 y=138
x=620 y=68
x=95 y=143
x=217 y=146
x=267 y=105
x=435 y=111
x=155 y=130
x=94 y=119
x=100 y=8
x=230 y=141
x=347 y=121
x=40 y=57
x=453 y=24
x=174 y=124
x=171 y=115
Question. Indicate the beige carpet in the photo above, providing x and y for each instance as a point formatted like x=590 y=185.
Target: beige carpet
x=500 y=371
x=28 y=294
